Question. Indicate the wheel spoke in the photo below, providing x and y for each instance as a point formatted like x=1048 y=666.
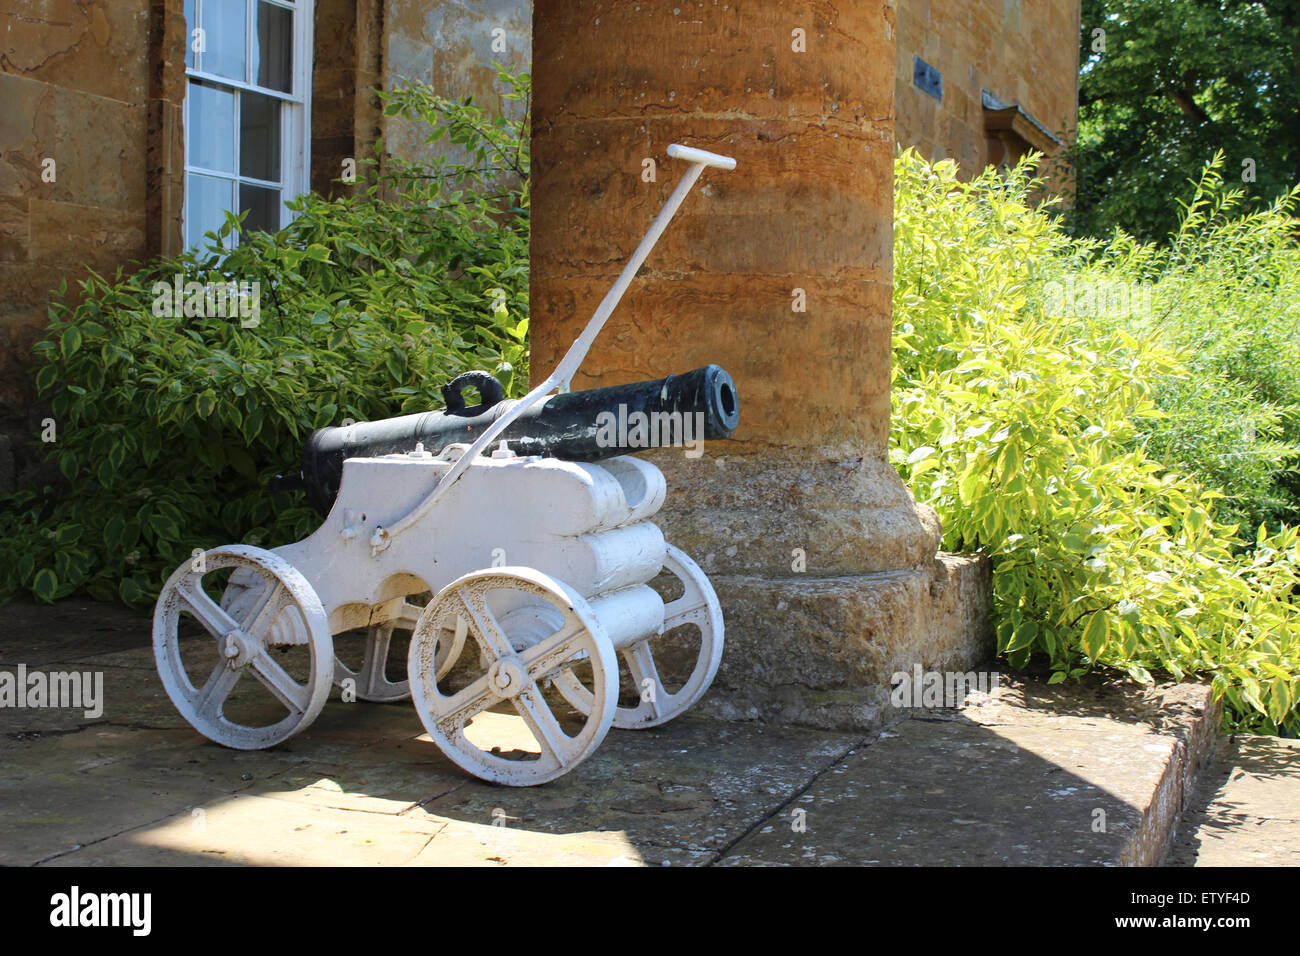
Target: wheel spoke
x=549 y=655
x=452 y=713
x=268 y=603
x=266 y=669
x=211 y=615
x=373 y=671
x=641 y=665
x=485 y=624
x=447 y=650
x=681 y=612
x=208 y=700
x=541 y=721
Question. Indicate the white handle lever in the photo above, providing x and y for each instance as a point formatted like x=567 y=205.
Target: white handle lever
x=564 y=372
x=692 y=155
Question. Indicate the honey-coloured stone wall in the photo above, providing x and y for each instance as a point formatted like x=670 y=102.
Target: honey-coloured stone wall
x=74 y=147
x=1023 y=52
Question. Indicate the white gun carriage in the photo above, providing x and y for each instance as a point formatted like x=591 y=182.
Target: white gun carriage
x=540 y=567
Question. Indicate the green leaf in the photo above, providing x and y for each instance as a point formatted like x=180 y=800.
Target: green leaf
x=129 y=591
x=1095 y=634
x=1023 y=636
x=45 y=585
x=46 y=377
x=252 y=426
x=114 y=529
x=70 y=342
x=164 y=528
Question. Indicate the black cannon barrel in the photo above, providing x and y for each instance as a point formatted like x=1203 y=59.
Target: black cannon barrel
x=575 y=426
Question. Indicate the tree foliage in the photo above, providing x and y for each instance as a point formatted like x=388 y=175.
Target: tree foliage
x=1163 y=85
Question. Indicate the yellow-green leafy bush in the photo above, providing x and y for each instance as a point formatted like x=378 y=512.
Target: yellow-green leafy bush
x=1028 y=429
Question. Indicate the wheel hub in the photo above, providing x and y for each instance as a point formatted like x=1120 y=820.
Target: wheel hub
x=238 y=648
x=506 y=677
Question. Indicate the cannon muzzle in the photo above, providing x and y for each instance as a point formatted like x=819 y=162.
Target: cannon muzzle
x=680 y=410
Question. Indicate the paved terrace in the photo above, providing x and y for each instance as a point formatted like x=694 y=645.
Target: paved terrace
x=1091 y=774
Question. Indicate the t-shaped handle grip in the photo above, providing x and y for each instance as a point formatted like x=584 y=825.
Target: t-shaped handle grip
x=705 y=158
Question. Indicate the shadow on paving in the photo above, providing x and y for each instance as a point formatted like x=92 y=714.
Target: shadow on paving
x=1245 y=812
x=1024 y=780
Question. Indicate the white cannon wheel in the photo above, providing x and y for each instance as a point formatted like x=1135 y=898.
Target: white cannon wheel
x=371 y=681
x=520 y=649
x=698 y=605
x=268 y=604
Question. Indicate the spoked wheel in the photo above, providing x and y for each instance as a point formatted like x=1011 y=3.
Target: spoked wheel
x=371 y=681
x=491 y=715
x=269 y=625
x=689 y=652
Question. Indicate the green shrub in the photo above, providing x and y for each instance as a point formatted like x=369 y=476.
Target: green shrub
x=169 y=425
x=1029 y=430
x=1224 y=293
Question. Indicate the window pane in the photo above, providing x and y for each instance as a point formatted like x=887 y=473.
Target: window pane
x=259 y=137
x=190 y=26
x=274 y=47
x=206 y=200
x=263 y=207
x=211 y=127
x=224 y=36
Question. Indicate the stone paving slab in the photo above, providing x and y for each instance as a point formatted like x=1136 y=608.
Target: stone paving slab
x=942 y=793
x=124 y=789
x=1249 y=807
x=1016 y=780
x=251 y=829
x=38 y=634
x=1085 y=774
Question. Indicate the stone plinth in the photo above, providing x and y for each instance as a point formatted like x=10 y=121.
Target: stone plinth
x=824 y=650
x=781 y=272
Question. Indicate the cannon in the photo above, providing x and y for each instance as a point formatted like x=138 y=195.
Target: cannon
x=512 y=540
x=575 y=426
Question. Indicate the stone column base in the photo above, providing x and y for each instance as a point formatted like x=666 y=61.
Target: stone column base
x=821 y=651
x=817 y=513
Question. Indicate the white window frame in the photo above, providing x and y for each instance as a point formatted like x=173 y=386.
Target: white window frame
x=295 y=120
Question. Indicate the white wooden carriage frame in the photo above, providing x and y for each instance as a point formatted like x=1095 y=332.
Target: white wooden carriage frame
x=571 y=595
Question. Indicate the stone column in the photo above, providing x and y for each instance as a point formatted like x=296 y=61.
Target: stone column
x=779 y=271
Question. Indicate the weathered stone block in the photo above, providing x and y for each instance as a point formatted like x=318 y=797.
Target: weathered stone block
x=762 y=514
x=822 y=651
x=91 y=46
x=75 y=237
x=14 y=232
